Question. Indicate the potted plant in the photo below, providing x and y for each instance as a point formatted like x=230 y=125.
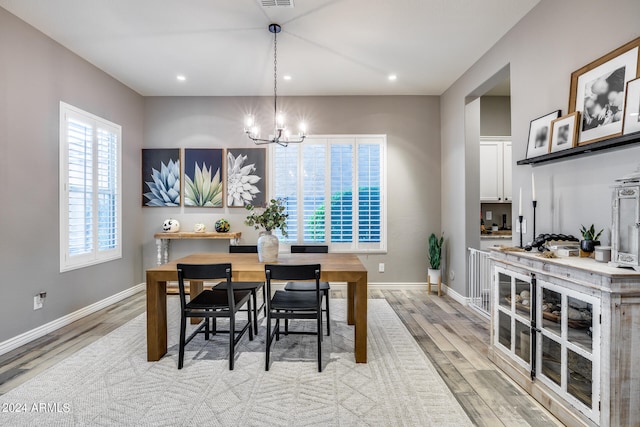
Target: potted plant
x=435 y=257
x=590 y=239
x=272 y=217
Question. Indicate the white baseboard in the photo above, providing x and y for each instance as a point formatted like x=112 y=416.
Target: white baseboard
x=47 y=328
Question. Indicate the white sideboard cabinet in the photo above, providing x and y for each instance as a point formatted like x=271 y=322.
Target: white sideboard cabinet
x=568 y=331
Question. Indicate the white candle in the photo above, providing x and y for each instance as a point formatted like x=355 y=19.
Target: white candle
x=533 y=187
x=520 y=203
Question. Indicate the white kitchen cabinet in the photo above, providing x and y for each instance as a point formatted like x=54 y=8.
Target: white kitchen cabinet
x=495 y=170
x=566 y=330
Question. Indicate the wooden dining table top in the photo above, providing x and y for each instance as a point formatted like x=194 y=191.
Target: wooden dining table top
x=334 y=266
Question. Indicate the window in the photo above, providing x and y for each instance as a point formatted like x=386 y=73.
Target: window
x=333 y=190
x=90 y=196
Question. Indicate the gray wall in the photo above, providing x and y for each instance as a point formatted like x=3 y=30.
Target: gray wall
x=411 y=124
x=35 y=75
x=495 y=116
x=542 y=51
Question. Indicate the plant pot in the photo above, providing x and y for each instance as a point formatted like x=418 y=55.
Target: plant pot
x=589 y=245
x=268 y=246
x=434 y=275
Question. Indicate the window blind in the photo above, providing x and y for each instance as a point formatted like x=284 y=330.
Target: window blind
x=90 y=189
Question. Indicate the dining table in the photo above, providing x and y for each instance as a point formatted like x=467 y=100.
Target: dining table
x=335 y=267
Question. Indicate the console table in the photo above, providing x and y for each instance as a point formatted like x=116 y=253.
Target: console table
x=163 y=239
x=566 y=330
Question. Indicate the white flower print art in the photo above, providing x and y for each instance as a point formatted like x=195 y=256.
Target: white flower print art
x=245 y=172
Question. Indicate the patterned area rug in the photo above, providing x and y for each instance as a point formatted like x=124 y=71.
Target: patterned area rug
x=110 y=382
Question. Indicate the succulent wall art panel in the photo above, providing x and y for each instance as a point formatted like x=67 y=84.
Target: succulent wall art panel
x=203 y=177
x=161 y=177
x=246 y=177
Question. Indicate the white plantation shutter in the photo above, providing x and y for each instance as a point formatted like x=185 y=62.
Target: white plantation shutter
x=90 y=202
x=286 y=186
x=333 y=188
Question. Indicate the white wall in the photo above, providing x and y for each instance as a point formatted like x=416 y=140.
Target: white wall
x=411 y=124
x=542 y=50
x=37 y=73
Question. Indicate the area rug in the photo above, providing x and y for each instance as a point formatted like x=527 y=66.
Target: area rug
x=110 y=382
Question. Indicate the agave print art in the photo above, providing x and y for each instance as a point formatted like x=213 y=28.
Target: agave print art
x=161 y=177
x=245 y=177
x=202 y=177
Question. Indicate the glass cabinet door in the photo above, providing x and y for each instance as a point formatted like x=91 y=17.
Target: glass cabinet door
x=569 y=346
x=513 y=314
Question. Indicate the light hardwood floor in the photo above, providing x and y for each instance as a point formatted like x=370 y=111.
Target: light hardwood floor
x=452 y=336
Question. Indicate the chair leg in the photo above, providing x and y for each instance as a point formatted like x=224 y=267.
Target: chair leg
x=264 y=299
x=268 y=349
x=255 y=310
x=206 y=327
x=183 y=327
x=320 y=334
x=232 y=342
x=249 y=320
x=326 y=294
x=278 y=329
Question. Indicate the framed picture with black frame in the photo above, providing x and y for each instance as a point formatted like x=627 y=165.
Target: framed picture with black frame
x=539 y=133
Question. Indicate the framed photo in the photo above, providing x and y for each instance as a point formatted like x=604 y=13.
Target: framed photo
x=161 y=177
x=631 y=121
x=539 y=132
x=246 y=177
x=203 y=183
x=598 y=92
x=564 y=132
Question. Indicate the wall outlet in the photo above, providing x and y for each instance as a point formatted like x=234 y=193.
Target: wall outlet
x=37 y=302
x=381 y=267
x=452 y=275
x=489 y=215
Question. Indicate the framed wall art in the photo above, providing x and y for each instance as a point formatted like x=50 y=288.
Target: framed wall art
x=161 y=177
x=203 y=182
x=539 y=132
x=564 y=132
x=246 y=177
x=631 y=122
x=598 y=92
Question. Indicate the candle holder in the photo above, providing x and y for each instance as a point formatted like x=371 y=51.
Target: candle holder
x=520 y=218
x=535 y=205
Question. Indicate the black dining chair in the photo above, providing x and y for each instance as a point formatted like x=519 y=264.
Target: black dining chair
x=293 y=305
x=306 y=286
x=211 y=305
x=254 y=287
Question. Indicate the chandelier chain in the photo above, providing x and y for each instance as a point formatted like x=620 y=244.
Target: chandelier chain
x=275 y=80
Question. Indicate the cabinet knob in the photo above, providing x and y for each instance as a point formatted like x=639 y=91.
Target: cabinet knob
x=499 y=198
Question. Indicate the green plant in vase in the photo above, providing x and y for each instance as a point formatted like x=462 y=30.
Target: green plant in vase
x=271 y=218
x=435 y=260
x=590 y=238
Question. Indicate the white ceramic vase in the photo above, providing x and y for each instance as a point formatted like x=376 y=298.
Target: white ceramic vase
x=268 y=246
x=434 y=275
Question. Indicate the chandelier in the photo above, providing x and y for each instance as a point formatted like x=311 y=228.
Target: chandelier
x=281 y=135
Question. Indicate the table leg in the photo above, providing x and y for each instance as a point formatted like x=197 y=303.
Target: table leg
x=361 y=320
x=195 y=287
x=156 y=318
x=351 y=300
x=166 y=250
x=159 y=256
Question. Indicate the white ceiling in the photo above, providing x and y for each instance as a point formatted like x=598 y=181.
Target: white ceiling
x=329 y=47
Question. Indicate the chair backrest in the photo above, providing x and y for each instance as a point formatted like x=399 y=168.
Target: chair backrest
x=204 y=272
x=293 y=272
x=243 y=249
x=309 y=249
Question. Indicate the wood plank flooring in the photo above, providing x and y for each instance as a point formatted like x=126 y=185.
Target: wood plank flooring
x=452 y=336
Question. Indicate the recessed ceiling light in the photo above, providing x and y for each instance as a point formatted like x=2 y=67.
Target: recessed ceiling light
x=181 y=77
x=392 y=77
x=286 y=77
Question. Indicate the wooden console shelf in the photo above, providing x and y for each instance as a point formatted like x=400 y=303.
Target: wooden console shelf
x=163 y=239
x=606 y=144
